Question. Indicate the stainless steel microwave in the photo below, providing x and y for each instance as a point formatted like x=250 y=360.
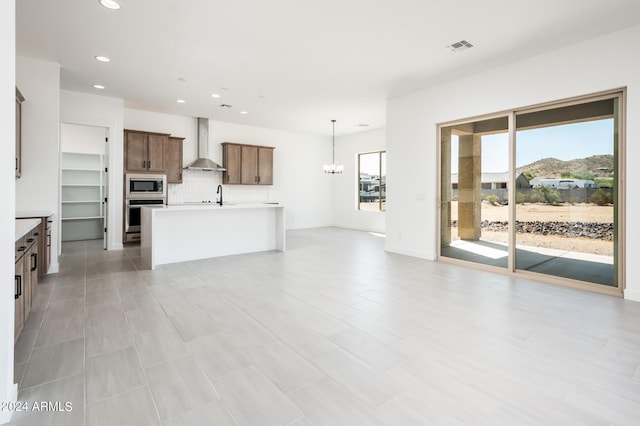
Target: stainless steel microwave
x=139 y=186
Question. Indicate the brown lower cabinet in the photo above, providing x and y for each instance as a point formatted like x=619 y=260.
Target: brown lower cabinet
x=43 y=232
x=26 y=278
x=19 y=296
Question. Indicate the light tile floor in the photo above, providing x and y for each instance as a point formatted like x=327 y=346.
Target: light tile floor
x=332 y=332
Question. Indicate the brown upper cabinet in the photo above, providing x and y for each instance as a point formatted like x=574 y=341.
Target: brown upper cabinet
x=144 y=151
x=247 y=164
x=19 y=100
x=173 y=159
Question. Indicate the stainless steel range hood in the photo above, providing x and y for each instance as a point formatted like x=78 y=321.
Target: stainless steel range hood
x=203 y=162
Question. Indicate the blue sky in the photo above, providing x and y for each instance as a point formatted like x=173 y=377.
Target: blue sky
x=565 y=142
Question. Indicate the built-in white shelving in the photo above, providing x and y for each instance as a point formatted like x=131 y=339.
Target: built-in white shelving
x=82 y=189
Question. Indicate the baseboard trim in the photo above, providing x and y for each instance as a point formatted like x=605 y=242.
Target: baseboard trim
x=411 y=253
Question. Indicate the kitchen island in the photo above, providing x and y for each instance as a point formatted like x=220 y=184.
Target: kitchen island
x=180 y=233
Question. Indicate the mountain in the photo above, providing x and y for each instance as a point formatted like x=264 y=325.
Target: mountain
x=552 y=167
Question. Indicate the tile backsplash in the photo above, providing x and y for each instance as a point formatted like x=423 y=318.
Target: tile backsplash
x=200 y=185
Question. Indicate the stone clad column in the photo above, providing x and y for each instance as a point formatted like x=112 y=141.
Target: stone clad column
x=469 y=187
x=445 y=186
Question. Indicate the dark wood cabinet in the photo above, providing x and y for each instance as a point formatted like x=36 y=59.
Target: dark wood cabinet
x=19 y=100
x=144 y=151
x=19 y=298
x=155 y=153
x=26 y=278
x=265 y=166
x=249 y=169
x=247 y=164
x=232 y=161
x=43 y=236
x=173 y=159
x=45 y=246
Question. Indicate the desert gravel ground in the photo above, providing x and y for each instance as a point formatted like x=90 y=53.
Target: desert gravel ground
x=549 y=213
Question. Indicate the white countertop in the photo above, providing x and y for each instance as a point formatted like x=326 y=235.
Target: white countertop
x=214 y=206
x=33 y=213
x=23 y=226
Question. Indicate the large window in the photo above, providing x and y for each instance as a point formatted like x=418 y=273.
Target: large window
x=536 y=191
x=372 y=181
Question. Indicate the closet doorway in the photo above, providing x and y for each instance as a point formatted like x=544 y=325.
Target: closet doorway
x=84 y=178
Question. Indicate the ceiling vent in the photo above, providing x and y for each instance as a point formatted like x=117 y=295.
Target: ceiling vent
x=459 y=46
x=227 y=106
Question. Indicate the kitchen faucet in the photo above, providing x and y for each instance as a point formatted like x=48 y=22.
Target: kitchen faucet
x=219 y=191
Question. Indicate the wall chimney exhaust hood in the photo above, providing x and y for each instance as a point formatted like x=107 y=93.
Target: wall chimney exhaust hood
x=203 y=162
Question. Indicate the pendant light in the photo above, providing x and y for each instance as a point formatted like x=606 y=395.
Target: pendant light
x=333 y=168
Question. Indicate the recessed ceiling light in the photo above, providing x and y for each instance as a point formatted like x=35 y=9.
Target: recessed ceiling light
x=224 y=88
x=102 y=59
x=110 y=4
x=215 y=95
x=98 y=86
x=181 y=101
x=362 y=125
x=243 y=112
x=182 y=79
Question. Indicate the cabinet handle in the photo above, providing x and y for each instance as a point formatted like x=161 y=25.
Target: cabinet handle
x=29 y=240
x=34 y=259
x=18 y=286
x=22 y=248
x=16 y=163
x=48 y=240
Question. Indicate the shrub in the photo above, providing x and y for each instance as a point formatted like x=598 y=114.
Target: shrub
x=544 y=194
x=520 y=198
x=601 y=198
x=492 y=199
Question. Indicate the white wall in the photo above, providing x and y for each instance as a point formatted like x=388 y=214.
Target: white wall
x=345 y=185
x=82 y=139
x=38 y=187
x=299 y=183
x=8 y=391
x=595 y=65
x=101 y=111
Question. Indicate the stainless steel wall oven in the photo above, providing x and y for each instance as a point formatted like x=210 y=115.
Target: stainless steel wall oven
x=141 y=190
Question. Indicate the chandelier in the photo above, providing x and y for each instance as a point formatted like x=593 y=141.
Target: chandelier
x=333 y=168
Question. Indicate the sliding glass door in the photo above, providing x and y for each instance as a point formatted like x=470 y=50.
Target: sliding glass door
x=565 y=220
x=536 y=191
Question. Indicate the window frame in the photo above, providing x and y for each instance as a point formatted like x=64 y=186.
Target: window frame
x=381 y=203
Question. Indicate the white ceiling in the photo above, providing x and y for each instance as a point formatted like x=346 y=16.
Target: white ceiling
x=294 y=64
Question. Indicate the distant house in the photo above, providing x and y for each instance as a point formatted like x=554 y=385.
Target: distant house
x=495 y=181
x=560 y=183
x=370 y=187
